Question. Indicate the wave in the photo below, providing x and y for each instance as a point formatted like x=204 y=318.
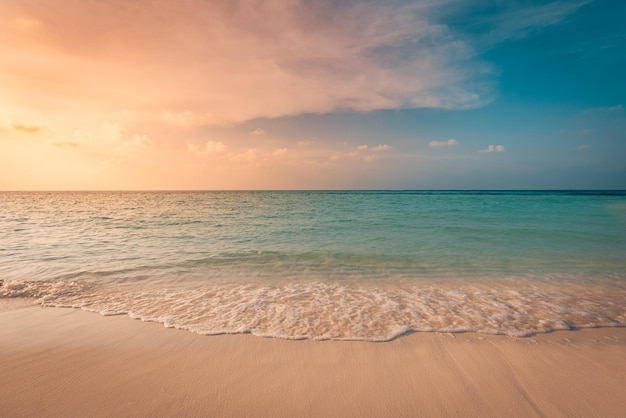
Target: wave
x=332 y=311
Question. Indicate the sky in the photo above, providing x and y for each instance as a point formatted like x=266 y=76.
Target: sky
x=296 y=94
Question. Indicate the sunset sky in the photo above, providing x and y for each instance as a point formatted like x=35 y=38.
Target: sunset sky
x=295 y=94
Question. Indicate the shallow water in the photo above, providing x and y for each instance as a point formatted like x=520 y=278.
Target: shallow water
x=325 y=265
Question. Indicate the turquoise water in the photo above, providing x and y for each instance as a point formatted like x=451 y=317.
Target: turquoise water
x=326 y=265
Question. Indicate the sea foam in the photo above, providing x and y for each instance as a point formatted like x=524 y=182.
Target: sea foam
x=327 y=311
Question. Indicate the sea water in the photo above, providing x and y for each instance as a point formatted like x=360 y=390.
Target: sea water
x=357 y=265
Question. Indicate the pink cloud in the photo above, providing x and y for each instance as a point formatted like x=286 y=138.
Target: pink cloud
x=231 y=62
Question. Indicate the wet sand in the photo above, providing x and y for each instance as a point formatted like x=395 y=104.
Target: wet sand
x=67 y=362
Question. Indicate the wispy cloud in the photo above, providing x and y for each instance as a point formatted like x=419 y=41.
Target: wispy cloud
x=371 y=157
x=439 y=144
x=136 y=142
x=582 y=147
x=214 y=147
x=258 y=132
x=516 y=20
x=606 y=109
x=240 y=60
x=27 y=128
x=377 y=148
x=493 y=148
x=113 y=131
x=65 y=144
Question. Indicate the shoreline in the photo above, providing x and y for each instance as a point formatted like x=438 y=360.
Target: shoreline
x=69 y=362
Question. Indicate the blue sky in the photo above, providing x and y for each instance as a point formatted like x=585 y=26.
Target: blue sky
x=559 y=92
x=327 y=95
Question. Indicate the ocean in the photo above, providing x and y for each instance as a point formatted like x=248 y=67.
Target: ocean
x=341 y=265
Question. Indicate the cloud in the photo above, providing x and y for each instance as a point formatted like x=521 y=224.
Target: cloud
x=65 y=144
x=113 y=131
x=493 y=148
x=367 y=157
x=258 y=131
x=371 y=157
x=30 y=129
x=142 y=141
x=214 y=147
x=280 y=151
x=137 y=141
x=239 y=60
x=219 y=150
x=248 y=155
x=607 y=109
x=377 y=148
x=439 y=144
x=582 y=147
x=515 y=20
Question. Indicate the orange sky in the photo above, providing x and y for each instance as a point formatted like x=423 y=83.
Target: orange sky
x=153 y=94
x=296 y=94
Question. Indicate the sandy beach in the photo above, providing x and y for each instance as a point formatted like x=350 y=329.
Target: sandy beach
x=67 y=362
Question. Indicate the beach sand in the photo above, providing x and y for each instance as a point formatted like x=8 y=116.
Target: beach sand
x=67 y=362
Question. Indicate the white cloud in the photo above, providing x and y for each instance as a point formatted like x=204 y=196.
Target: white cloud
x=359 y=153
x=439 y=144
x=615 y=108
x=248 y=155
x=493 y=148
x=258 y=131
x=210 y=148
x=582 y=147
x=214 y=147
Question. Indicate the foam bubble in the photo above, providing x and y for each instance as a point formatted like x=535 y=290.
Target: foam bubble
x=331 y=311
